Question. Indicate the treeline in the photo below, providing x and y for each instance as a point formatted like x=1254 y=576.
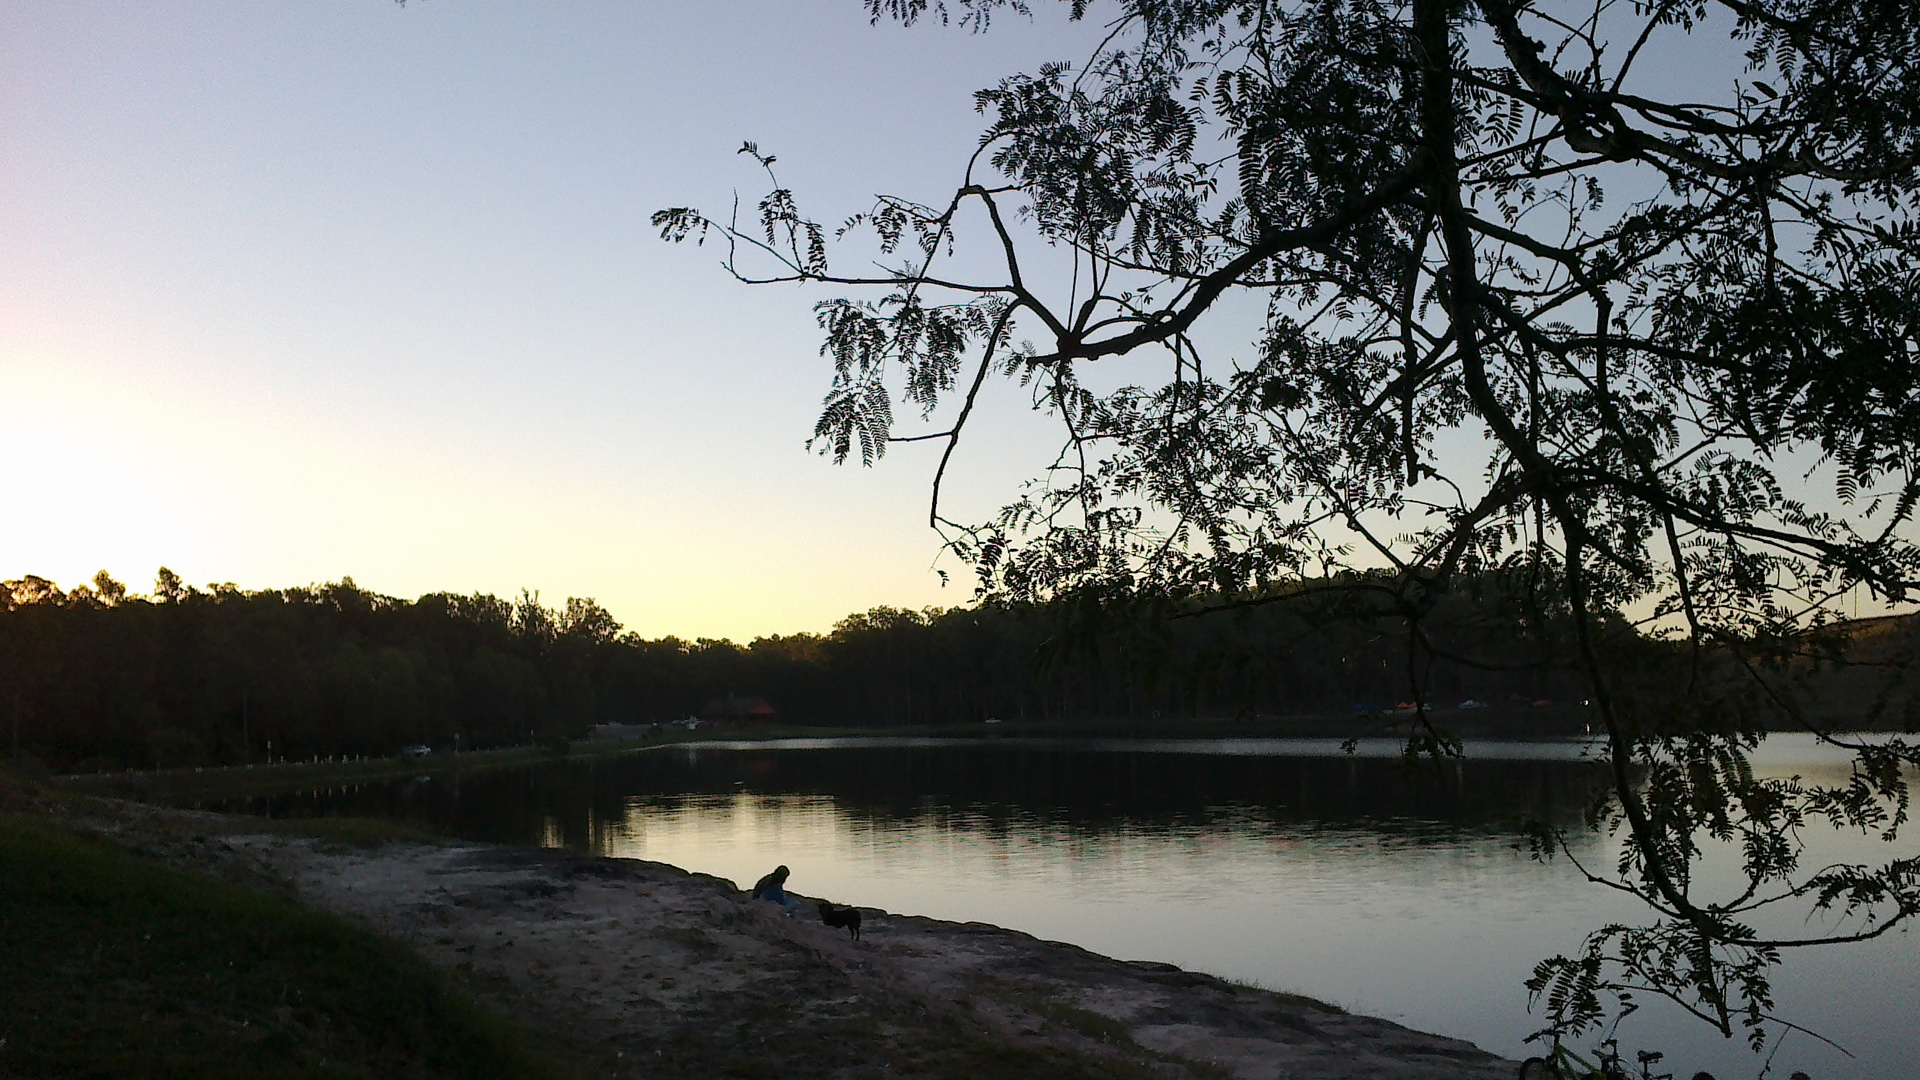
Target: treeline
x=99 y=678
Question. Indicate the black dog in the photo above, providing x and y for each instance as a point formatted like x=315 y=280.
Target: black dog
x=838 y=917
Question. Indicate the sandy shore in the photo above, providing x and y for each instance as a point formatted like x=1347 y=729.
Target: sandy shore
x=645 y=970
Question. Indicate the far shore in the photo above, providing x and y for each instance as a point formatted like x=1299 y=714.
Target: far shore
x=216 y=782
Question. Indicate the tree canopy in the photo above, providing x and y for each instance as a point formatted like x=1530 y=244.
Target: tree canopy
x=1618 y=301
x=98 y=677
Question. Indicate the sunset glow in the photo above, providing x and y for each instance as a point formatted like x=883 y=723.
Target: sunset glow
x=291 y=294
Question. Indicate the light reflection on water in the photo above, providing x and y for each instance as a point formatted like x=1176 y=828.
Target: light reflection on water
x=1386 y=890
x=1430 y=926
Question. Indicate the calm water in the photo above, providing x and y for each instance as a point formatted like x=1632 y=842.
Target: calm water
x=1388 y=889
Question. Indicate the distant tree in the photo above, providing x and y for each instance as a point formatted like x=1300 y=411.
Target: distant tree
x=1618 y=303
x=167 y=586
x=107 y=590
x=585 y=620
x=533 y=624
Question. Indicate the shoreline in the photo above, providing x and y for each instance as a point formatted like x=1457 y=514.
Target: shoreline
x=213 y=782
x=184 y=788
x=647 y=969
x=1499 y=724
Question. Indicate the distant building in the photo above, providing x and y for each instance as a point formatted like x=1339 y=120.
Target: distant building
x=736 y=709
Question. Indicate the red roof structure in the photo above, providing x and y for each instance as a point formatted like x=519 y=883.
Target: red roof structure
x=738 y=709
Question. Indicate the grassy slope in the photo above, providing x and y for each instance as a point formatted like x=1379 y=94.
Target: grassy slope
x=112 y=965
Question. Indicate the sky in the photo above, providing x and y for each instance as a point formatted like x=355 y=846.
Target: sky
x=293 y=292
x=297 y=292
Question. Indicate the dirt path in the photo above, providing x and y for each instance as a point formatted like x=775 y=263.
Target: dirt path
x=646 y=970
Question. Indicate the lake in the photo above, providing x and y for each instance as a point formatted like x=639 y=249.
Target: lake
x=1387 y=888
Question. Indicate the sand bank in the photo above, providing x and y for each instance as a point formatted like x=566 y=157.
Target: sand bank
x=646 y=970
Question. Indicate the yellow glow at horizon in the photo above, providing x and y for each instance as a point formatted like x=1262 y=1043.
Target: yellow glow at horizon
x=109 y=473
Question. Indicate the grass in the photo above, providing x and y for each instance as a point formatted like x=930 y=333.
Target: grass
x=112 y=965
x=181 y=786
x=18 y=793
x=1096 y=1026
x=1255 y=986
x=944 y=1052
x=336 y=832
x=214 y=783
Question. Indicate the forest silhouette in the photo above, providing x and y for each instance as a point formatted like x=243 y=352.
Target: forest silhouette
x=98 y=678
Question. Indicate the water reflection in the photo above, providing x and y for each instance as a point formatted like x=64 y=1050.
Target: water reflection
x=1387 y=887
x=994 y=788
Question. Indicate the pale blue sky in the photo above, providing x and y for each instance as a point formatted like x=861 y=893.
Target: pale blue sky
x=296 y=291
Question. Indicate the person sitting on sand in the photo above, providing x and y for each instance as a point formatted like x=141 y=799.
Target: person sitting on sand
x=772 y=887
